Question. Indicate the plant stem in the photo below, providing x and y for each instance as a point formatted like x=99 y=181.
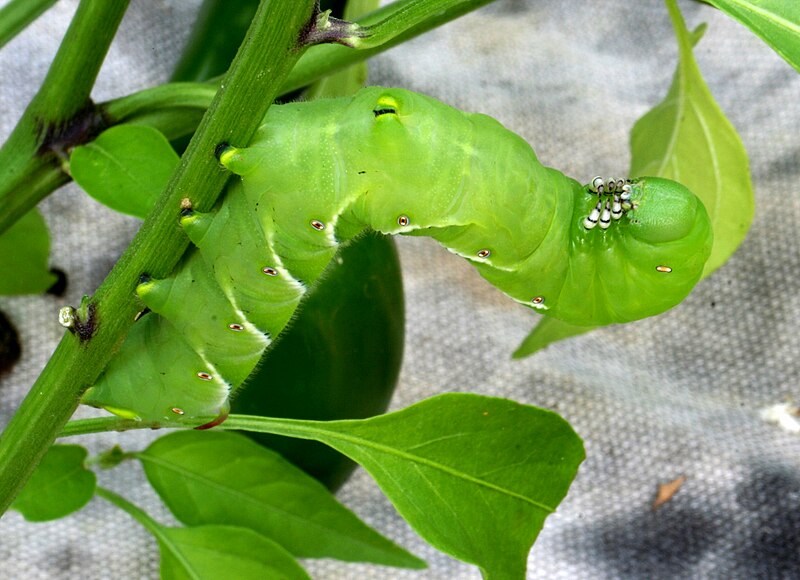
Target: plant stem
x=173 y=108
x=110 y=423
x=169 y=96
x=252 y=83
x=17 y=14
x=387 y=27
x=136 y=513
x=304 y=429
x=408 y=16
x=30 y=164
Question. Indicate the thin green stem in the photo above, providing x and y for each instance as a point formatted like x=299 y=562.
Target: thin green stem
x=17 y=14
x=289 y=427
x=413 y=17
x=263 y=61
x=175 y=109
x=159 y=532
x=135 y=512
x=106 y=424
x=172 y=96
x=30 y=161
x=408 y=16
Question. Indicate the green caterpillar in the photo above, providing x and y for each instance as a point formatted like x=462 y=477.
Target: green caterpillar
x=320 y=173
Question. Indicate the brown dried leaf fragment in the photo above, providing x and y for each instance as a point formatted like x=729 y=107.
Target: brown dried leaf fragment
x=667 y=490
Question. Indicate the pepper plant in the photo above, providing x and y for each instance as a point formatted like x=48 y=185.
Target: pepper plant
x=288 y=47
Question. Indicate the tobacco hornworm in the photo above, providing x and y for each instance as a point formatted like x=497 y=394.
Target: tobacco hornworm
x=320 y=173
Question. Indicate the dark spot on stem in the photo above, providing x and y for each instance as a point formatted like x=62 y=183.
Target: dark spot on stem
x=84 y=329
x=60 y=137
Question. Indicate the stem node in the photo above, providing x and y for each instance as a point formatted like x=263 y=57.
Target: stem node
x=325 y=29
x=61 y=136
x=83 y=322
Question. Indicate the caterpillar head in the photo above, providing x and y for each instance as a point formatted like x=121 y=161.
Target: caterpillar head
x=657 y=210
x=642 y=246
x=664 y=211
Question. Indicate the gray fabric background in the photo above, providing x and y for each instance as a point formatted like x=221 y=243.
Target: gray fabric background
x=678 y=394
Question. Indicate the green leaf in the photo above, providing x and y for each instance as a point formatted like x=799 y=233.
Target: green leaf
x=777 y=22
x=547 y=331
x=212 y=552
x=24 y=250
x=125 y=168
x=59 y=486
x=475 y=476
x=215 y=552
x=687 y=138
x=225 y=478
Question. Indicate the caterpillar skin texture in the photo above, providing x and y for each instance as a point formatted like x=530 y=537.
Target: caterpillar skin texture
x=320 y=173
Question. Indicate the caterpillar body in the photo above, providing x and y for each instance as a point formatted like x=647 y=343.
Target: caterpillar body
x=320 y=173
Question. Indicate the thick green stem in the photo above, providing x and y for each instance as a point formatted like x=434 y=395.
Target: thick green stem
x=17 y=14
x=263 y=61
x=65 y=90
x=30 y=161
